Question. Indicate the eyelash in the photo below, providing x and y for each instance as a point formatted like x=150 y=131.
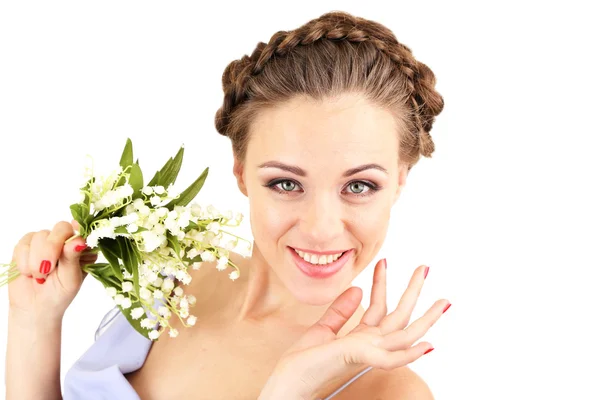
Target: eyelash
x=372 y=187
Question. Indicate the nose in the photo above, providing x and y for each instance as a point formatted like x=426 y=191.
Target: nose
x=321 y=222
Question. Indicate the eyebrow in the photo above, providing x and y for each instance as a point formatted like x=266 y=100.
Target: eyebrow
x=300 y=172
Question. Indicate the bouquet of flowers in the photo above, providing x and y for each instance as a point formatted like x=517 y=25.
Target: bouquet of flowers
x=150 y=238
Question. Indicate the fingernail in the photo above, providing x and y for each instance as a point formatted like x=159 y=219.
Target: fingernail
x=45 y=267
x=385 y=263
x=80 y=248
x=447 y=307
x=428 y=351
x=40 y=280
x=426 y=272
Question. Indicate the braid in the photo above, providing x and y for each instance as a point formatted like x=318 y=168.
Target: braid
x=337 y=26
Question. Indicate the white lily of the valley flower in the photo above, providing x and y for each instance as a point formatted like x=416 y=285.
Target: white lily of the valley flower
x=208 y=256
x=186 y=279
x=126 y=303
x=119 y=299
x=127 y=286
x=154 y=334
x=214 y=227
x=136 y=313
x=168 y=285
x=145 y=294
x=196 y=266
x=148 y=323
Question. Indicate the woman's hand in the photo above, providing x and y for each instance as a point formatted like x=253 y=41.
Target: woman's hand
x=380 y=340
x=51 y=273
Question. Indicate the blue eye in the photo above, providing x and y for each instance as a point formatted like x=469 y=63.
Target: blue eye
x=357 y=188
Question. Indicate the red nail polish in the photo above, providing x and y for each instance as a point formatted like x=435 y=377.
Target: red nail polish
x=40 y=281
x=447 y=307
x=80 y=248
x=426 y=272
x=45 y=267
x=428 y=351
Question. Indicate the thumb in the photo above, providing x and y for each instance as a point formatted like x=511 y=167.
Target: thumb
x=69 y=269
x=328 y=326
x=340 y=311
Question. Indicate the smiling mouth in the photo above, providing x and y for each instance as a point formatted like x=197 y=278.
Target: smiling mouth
x=319 y=259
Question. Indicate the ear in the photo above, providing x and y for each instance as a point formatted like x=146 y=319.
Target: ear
x=238 y=171
x=402 y=175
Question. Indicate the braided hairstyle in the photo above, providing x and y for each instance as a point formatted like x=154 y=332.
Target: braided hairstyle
x=326 y=57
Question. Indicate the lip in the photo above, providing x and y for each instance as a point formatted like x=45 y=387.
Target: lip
x=320 y=272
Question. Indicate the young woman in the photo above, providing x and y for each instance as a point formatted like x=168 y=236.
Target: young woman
x=325 y=122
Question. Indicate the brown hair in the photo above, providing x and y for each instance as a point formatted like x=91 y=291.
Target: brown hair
x=328 y=56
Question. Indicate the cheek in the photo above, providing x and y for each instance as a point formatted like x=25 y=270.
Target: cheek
x=369 y=227
x=268 y=222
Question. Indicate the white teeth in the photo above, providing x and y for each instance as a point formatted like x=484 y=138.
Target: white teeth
x=318 y=260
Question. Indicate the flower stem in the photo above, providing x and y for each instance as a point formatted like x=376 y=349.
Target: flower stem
x=11 y=273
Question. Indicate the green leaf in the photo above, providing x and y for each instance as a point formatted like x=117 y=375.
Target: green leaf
x=77 y=212
x=127 y=156
x=168 y=173
x=131 y=260
x=110 y=251
x=136 y=179
x=174 y=242
x=188 y=195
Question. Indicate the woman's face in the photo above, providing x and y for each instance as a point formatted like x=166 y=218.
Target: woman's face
x=321 y=177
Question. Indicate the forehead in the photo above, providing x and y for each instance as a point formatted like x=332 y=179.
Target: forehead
x=348 y=127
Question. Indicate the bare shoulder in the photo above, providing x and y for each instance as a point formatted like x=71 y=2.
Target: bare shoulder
x=399 y=384
x=402 y=383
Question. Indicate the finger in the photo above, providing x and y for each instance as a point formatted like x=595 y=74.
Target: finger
x=389 y=360
x=399 y=318
x=342 y=308
x=75 y=225
x=404 y=338
x=378 y=306
x=418 y=328
x=21 y=254
x=47 y=248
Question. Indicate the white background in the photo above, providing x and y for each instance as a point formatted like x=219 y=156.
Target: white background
x=505 y=213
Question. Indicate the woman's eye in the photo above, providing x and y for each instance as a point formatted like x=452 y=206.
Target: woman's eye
x=357 y=187
x=287 y=186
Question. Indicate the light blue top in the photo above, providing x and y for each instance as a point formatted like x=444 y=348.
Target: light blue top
x=99 y=373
